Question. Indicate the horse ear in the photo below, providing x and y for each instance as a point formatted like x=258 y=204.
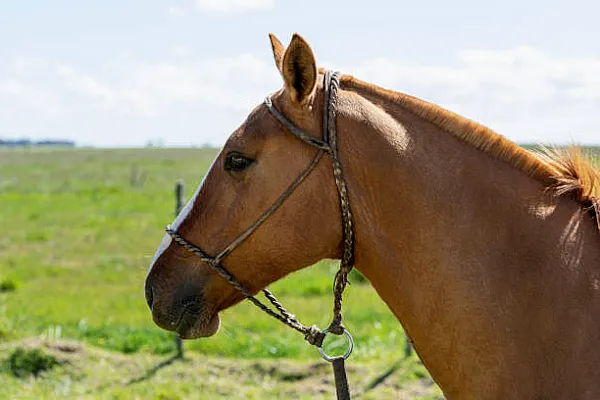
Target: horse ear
x=299 y=69
x=278 y=51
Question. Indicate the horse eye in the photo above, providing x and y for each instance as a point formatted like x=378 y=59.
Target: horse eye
x=237 y=162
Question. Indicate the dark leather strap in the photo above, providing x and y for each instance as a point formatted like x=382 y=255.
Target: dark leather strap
x=341 y=379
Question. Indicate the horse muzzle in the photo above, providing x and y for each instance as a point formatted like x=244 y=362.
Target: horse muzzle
x=182 y=310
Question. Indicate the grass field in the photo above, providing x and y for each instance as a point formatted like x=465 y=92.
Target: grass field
x=79 y=230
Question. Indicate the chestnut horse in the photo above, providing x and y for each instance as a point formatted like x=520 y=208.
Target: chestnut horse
x=487 y=254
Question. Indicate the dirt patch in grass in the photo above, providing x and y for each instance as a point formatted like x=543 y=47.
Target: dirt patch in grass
x=91 y=373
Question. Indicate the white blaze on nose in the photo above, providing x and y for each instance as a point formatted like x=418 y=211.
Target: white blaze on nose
x=182 y=216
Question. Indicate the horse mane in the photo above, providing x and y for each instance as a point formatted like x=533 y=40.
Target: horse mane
x=565 y=171
x=576 y=176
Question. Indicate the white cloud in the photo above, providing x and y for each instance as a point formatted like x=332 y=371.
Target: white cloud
x=523 y=93
x=151 y=88
x=31 y=96
x=234 y=5
x=64 y=69
x=181 y=51
x=21 y=65
x=90 y=87
x=174 y=11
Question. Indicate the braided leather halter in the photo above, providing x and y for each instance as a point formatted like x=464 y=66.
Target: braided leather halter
x=327 y=145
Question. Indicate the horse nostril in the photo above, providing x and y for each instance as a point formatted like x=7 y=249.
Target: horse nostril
x=149 y=295
x=192 y=304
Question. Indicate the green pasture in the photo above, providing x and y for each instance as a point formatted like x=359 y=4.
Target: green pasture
x=80 y=227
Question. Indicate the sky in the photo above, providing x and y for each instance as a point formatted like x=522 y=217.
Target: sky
x=187 y=72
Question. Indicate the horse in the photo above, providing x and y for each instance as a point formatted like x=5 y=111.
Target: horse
x=488 y=254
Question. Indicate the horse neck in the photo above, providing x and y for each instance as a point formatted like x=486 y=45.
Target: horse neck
x=457 y=243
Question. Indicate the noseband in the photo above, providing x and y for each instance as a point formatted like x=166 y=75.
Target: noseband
x=327 y=145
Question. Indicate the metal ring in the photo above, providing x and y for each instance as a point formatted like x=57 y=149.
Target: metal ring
x=348 y=352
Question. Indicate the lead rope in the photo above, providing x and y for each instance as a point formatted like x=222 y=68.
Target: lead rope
x=312 y=334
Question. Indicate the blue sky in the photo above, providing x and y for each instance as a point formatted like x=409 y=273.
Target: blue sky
x=122 y=73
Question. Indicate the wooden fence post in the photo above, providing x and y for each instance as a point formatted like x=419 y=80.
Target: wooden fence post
x=408 y=348
x=179 y=199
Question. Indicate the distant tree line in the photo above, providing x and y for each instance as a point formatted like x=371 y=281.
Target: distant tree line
x=36 y=143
